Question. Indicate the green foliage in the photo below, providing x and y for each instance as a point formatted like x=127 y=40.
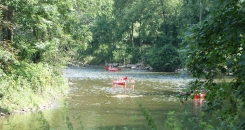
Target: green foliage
x=39 y=117
x=137 y=24
x=46 y=31
x=7 y=59
x=30 y=83
x=170 y=123
x=54 y=31
x=41 y=35
x=148 y=117
x=217 y=47
x=166 y=59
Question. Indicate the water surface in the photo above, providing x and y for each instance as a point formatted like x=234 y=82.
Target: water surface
x=93 y=103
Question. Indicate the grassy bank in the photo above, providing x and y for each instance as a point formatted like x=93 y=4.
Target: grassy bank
x=28 y=85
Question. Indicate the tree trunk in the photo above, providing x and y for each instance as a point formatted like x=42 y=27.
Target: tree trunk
x=166 y=29
x=132 y=34
x=200 y=15
x=140 y=39
x=7 y=30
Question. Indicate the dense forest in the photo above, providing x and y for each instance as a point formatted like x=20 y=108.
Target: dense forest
x=40 y=37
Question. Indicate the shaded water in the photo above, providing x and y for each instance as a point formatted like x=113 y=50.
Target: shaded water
x=93 y=104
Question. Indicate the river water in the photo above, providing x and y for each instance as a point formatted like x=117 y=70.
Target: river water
x=93 y=103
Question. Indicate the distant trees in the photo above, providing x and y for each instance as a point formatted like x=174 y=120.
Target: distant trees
x=137 y=31
x=97 y=32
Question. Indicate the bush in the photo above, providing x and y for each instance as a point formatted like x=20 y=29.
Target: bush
x=164 y=58
x=30 y=84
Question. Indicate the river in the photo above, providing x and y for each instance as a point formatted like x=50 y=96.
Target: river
x=93 y=103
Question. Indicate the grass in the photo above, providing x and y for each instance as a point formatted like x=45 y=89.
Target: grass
x=30 y=84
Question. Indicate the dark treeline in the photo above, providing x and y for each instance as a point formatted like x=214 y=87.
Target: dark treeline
x=148 y=32
x=99 y=32
x=39 y=37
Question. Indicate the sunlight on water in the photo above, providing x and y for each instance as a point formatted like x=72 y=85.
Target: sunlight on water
x=155 y=90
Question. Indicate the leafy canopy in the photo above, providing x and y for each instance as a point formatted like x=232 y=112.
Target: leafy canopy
x=217 y=47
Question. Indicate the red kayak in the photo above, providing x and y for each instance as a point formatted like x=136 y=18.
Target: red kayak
x=112 y=69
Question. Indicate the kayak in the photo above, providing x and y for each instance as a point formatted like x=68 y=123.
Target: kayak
x=112 y=69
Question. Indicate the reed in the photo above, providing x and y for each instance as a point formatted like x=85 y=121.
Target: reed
x=148 y=117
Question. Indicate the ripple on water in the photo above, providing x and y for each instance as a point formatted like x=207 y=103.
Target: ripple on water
x=96 y=94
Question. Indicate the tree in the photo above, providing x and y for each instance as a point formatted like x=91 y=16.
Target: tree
x=7 y=34
x=166 y=59
x=126 y=30
x=216 y=47
x=41 y=29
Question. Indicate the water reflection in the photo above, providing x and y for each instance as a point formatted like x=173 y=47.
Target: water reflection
x=197 y=104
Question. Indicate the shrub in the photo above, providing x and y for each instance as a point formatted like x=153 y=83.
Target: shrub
x=164 y=58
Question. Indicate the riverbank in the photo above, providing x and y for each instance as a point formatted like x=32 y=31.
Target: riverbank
x=138 y=66
x=50 y=104
x=31 y=86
